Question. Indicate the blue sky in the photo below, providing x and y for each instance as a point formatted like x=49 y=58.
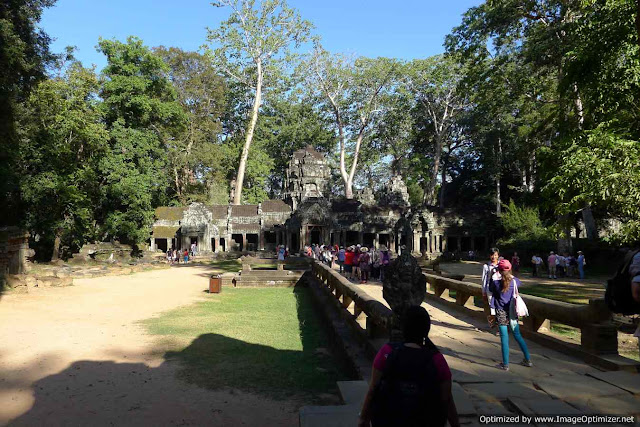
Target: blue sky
x=404 y=29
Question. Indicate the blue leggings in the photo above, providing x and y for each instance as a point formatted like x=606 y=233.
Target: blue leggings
x=504 y=341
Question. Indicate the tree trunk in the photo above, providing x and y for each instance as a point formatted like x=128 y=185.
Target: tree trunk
x=579 y=107
x=247 y=143
x=431 y=189
x=443 y=179
x=498 y=177
x=56 y=245
x=348 y=184
x=589 y=222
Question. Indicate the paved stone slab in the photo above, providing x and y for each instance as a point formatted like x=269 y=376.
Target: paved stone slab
x=464 y=405
x=502 y=391
x=323 y=416
x=564 y=386
x=625 y=380
x=622 y=404
x=491 y=407
x=353 y=392
x=543 y=406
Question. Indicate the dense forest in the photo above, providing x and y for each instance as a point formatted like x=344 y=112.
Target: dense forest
x=530 y=113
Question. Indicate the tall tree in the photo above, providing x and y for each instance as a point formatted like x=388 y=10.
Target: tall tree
x=435 y=83
x=253 y=48
x=24 y=56
x=142 y=115
x=350 y=91
x=63 y=140
x=195 y=153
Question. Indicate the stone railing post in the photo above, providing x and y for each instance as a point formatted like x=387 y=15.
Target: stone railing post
x=536 y=324
x=599 y=338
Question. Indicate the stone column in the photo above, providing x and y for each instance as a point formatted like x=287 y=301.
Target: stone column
x=170 y=244
x=288 y=236
x=376 y=240
x=152 y=247
x=244 y=241
x=228 y=241
x=444 y=242
x=416 y=242
x=261 y=245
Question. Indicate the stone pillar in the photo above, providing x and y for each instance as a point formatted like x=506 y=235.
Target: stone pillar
x=261 y=245
x=228 y=241
x=170 y=244
x=152 y=247
x=416 y=242
x=244 y=241
x=376 y=240
x=288 y=235
x=445 y=241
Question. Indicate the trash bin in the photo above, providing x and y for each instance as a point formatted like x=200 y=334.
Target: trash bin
x=215 y=284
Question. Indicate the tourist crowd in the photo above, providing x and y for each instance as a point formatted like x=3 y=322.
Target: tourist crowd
x=356 y=262
x=559 y=265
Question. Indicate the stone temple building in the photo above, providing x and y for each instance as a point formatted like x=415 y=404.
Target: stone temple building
x=306 y=214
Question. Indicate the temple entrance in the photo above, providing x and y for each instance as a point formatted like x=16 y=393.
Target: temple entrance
x=162 y=245
x=237 y=238
x=352 y=238
x=295 y=245
x=367 y=239
x=315 y=234
x=213 y=244
x=424 y=245
x=252 y=242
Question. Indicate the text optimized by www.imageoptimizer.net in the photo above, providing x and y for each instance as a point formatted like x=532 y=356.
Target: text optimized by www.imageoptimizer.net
x=556 y=419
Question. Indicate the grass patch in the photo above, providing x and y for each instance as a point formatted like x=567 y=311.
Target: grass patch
x=566 y=331
x=575 y=293
x=260 y=340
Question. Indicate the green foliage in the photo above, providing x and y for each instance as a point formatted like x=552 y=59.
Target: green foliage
x=195 y=154
x=600 y=168
x=522 y=223
x=24 y=56
x=142 y=114
x=63 y=140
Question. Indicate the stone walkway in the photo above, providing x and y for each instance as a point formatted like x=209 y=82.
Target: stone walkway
x=557 y=384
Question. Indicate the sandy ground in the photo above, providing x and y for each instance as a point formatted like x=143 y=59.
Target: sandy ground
x=77 y=356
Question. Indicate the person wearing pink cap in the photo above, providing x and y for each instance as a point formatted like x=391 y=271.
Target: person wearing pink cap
x=503 y=292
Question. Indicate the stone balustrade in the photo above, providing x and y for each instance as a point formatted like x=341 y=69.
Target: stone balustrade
x=598 y=334
x=300 y=263
x=367 y=316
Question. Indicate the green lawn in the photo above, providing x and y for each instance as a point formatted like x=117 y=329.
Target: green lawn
x=261 y=340
x=576 y=293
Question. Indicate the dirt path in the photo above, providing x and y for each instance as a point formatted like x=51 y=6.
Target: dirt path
x=77 y=356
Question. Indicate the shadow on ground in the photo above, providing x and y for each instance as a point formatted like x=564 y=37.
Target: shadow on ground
x=192 y=383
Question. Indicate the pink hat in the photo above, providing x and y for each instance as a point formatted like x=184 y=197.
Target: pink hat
x=504 y=265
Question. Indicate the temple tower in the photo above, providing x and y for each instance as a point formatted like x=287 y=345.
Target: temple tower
x=306 y=177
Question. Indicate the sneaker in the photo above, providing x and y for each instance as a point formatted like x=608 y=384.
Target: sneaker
x=527 y=363
x=502 y=366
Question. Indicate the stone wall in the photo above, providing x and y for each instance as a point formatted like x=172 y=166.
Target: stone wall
x=14 y=250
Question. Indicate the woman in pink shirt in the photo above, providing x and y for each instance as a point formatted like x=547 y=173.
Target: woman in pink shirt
x=410 y=381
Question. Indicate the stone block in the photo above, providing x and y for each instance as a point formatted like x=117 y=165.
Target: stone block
x=600 y=338
x=624 y=380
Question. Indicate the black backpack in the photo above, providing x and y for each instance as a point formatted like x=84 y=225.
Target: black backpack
x=618 y=294
x=408 y=393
